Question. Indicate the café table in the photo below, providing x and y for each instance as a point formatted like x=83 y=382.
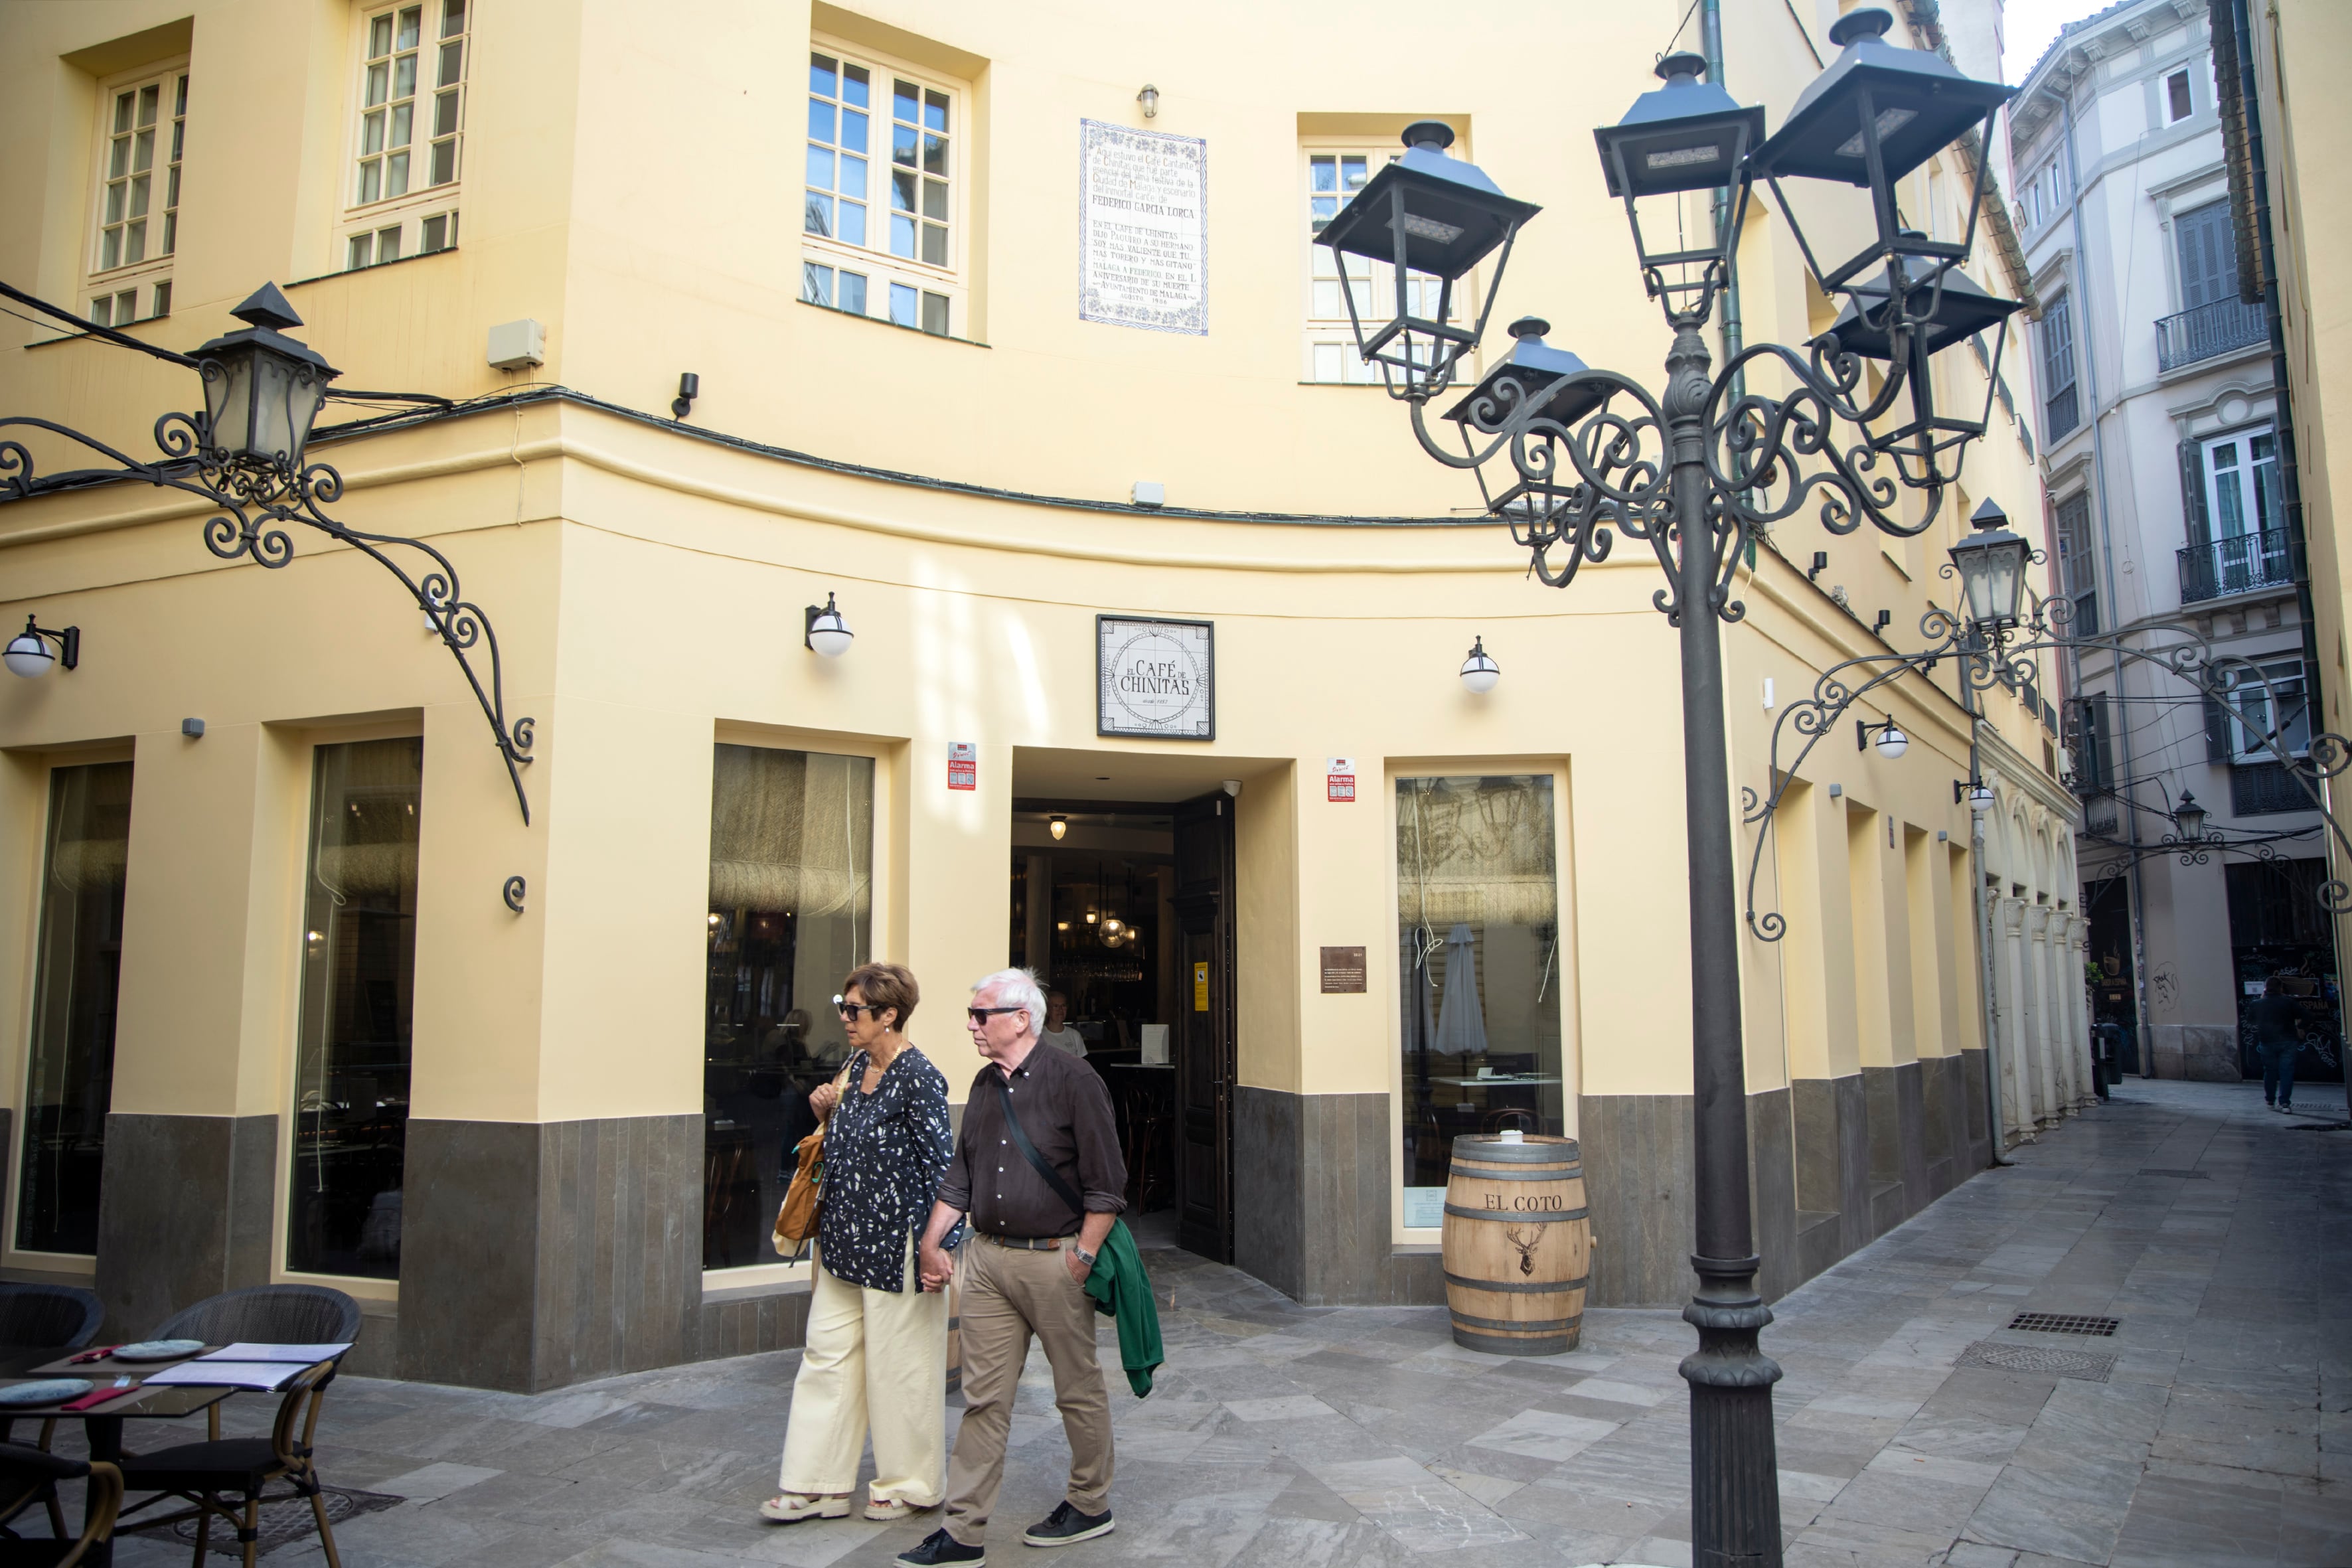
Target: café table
x=103 y=1424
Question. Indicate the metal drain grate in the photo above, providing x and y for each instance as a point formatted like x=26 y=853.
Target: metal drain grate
x=2086 y=1364
x=2181 y=1176
x=2064 y=1323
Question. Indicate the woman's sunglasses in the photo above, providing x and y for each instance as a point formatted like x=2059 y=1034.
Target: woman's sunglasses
x=850 y=1010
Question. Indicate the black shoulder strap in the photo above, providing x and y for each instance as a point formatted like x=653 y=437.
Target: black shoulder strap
x=1029 y=1150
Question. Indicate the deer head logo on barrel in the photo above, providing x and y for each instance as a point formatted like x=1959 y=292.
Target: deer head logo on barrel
x=1525 y=1242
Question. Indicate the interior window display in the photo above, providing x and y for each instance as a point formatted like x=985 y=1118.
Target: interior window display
x=1479 y=954
x=792 y=912
x=358 y=1009
x=69 y=1074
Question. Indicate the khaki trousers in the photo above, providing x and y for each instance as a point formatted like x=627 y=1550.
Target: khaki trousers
x=874 y=1357
x=1009 y=1294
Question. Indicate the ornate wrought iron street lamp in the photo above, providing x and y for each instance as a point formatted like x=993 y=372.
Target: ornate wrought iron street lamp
x=1694 y=475
x=1992 y=567
x=246 y=454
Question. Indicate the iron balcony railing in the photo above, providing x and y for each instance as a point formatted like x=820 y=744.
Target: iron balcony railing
x=2263 y=789
x=2240 y=564
x=2060 y=413
x=2209 y=330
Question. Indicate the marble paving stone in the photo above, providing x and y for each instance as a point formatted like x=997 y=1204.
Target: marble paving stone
x=1283 y=1436
x=1544 y=1434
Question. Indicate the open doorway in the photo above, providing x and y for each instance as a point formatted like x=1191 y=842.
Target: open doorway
x=1125 y=908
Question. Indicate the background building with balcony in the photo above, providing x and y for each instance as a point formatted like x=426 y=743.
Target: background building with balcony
x=2162 y=466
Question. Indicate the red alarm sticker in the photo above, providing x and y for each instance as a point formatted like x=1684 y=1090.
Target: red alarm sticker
x=963 y=765
x=1339 y=779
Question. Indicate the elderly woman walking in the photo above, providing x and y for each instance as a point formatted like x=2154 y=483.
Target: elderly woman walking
x=877 y=1341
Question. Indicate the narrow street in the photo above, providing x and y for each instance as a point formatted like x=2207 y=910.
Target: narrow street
x=1917 y=1427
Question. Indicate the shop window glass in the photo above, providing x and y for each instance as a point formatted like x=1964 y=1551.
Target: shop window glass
x=792 y=912
x=359 y=994
x=1479 y=954
x=69 y=1073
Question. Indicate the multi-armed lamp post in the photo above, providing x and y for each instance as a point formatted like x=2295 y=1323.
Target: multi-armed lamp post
x=1694 y=476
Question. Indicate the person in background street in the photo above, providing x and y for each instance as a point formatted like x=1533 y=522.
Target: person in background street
x=1025 y=1266
x=2277 y=1037
x=1058 y=1032
x=878 y=1342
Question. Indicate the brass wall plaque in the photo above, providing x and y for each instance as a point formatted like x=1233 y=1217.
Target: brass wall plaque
x=1343 y=970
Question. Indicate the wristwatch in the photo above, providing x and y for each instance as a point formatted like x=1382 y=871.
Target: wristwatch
x=1084 y=1256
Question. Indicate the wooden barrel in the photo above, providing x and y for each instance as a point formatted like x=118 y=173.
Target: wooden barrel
x=1519 y=1242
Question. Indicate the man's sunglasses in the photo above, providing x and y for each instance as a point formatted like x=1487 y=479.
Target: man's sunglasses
x=983 y=1015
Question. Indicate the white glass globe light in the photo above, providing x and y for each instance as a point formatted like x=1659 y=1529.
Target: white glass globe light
x=1981 y=798
x=28 y=656
x=828 y=633
x=1479 y=671
x=1892 y=742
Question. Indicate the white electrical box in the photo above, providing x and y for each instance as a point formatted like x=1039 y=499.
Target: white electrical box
x=1151 y=493
x=518 y=345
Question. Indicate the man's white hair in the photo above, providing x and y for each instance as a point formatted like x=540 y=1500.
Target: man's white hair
x=1016 y=988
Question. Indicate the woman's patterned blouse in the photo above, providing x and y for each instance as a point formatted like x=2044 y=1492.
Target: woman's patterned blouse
x=883 y=1155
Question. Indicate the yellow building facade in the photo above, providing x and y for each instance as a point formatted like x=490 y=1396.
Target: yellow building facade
x=272 y=1010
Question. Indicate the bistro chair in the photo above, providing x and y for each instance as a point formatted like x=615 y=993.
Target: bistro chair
x=266 y=1314
x=31 y=1475
x=36 y=1321
x=225 y=1478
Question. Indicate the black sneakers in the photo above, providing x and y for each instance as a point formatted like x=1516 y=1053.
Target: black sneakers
x=1065 y=1526
x=938 y=1547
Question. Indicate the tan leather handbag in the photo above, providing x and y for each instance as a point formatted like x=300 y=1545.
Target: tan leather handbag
x=797 y=1217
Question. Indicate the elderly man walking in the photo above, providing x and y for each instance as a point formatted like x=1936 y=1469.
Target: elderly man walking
x=1037 y=1167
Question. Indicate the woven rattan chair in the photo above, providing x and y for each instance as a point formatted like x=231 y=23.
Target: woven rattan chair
x=31 y=1475
x=46 y=1318
x=266 y=1314
x=225 y=1478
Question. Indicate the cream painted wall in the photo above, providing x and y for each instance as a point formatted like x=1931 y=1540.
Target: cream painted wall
x=646 y=584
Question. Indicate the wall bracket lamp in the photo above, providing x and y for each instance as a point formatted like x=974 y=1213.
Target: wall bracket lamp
x=824 y=631
x=1892 y=742
x=1479 y=671
x=1976 y=792
x=1150 y=98
x=689 y=387
x=28 y=654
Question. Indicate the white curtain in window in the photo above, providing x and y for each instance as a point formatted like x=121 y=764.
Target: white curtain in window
x=1475 y=851
x=792 y=832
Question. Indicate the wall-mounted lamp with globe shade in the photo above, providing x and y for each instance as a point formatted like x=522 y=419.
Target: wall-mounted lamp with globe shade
x=824 y=631
x=28 y=656
x=1479 y=671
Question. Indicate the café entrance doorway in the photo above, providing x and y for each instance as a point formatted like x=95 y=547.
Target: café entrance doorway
x=1128 y=917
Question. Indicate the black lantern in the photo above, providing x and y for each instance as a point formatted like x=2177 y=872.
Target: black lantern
x=1991 y=564
x=262 y=389
x=2188 y=817
x=1431 y=214
x=1533 y=384
x=1944 y=312
x=1875 y=115
x=1688 y=135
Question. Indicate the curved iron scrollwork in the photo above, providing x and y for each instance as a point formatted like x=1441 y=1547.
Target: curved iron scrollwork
x=258 y=504
x=2228 y=681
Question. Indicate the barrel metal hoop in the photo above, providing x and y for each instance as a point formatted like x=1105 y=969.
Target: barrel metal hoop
x=1519 y=1286
x=1539 y=1326
x=1491 y=1345
x=1485 y=1146
x=1532 y=1216
x=1554 y=1173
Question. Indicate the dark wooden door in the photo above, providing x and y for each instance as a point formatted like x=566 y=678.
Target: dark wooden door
x=1203 y=1037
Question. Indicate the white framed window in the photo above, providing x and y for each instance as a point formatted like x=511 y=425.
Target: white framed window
x=408 y=135
x=2242 y=484
x=1333 y=174
x=883 y=191
x=143 y=132
x=2254 y=722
